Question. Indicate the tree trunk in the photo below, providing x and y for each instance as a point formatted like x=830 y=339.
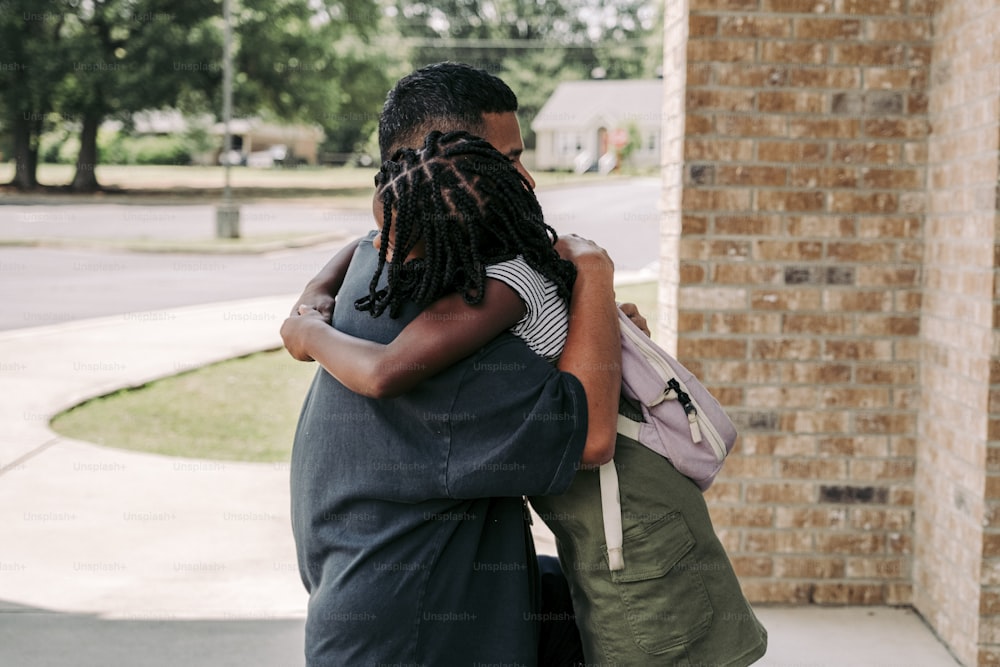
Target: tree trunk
x=25 y=154
x=85 y=179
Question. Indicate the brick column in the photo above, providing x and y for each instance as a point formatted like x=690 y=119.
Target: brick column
x=800 y=269
x=957 y=566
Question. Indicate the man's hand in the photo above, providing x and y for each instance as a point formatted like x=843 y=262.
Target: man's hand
x=295 y=330
x=584 y=253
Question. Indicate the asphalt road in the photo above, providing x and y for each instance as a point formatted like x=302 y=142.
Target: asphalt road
x=48 y=285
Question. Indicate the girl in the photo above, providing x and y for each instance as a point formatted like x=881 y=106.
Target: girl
x=456 y=216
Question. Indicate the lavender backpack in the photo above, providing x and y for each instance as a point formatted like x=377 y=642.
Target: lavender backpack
x=682 y=422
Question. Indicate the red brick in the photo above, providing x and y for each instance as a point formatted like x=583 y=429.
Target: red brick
x=817 y=373
x=712 y=348
x=791 y=200
x=762 y=26
x=848 y=594
x=754 y=225
x=824 y=226
x=751 y=175
x=755 y=125
x=862 y=251
x=868 y=54
x=785 y=349
x=867 y=153
x=741 y=274
x=745 y=323
x=798 y=6
x=869 y=7
x=850 y=202
x=824 y=177
x=792 y=151
x=702 y=26
x=823 y=29
x=840 y=78
x=786 y=250
x=695 y=6
x=855 y=397
x=791 y=102
x=717 y=149
x=821 y=325
x=898 y=29
x=812 y=53
x=808 y=128
x=809 y=568
x=850 y=300
x=724 y=100
x=715 y=50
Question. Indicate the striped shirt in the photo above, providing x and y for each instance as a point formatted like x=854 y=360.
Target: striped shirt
x=546 y=321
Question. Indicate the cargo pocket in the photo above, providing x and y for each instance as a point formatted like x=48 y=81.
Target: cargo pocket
x=667 y=605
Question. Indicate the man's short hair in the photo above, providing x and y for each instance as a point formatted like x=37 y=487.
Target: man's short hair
x=445 y=97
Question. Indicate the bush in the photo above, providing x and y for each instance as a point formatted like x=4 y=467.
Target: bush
x=117 y=148
x=168 y=149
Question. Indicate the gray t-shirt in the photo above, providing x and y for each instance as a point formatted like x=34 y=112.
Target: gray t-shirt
x=407 y=513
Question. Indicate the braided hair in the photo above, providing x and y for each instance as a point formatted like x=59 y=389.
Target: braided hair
x=470 y=207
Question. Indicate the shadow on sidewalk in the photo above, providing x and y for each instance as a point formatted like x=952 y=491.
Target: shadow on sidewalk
x=45 y=638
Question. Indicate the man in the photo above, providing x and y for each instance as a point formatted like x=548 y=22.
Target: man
x=408 y=513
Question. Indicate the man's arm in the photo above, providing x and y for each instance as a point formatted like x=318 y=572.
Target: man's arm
x=593 y=347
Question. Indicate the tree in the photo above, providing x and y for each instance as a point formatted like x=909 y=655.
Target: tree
x=535 y=45
x=90 y=60
x=30 y=50
x=129 y=55
x=311 y=61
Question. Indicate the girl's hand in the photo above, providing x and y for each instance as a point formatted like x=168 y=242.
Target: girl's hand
x=295 y=331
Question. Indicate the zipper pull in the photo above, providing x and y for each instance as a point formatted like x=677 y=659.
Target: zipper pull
x=692 y=412
x=695 y=429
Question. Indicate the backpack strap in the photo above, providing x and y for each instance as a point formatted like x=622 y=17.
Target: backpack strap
x=611 y=508
x=628 y=427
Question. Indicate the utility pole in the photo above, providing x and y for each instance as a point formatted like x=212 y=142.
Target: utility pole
x=227 y=214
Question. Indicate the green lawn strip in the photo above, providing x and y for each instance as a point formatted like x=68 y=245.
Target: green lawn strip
x=243 y=409
x=166 y=184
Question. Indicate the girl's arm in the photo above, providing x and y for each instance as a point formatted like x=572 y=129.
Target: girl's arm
x=449 y=330
x=445 y=332
x=320 y=294
x=321 y=290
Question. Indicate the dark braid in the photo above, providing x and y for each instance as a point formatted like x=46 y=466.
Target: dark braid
x=470 y=207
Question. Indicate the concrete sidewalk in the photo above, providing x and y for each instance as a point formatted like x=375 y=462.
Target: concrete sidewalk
x=111 y=557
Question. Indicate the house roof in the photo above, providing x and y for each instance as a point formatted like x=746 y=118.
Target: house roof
x=578 y=104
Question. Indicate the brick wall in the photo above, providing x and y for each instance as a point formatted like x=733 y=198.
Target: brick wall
x=957 y=572
x=838 y=287
x=799 y=297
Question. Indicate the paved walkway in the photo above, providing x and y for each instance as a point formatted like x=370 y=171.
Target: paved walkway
x=110 y=557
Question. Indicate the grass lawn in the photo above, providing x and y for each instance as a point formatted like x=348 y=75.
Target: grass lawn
x=243 y=409
x=239 y=410
x=248 y=182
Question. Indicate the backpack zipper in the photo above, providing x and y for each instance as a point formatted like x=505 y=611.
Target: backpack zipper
x=676 y=389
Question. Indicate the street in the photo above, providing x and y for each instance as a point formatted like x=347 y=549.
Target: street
x=47 y=285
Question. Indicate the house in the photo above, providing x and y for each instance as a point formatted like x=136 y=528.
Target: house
x=263 y=144
x=585 y=120
x=254 y=141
